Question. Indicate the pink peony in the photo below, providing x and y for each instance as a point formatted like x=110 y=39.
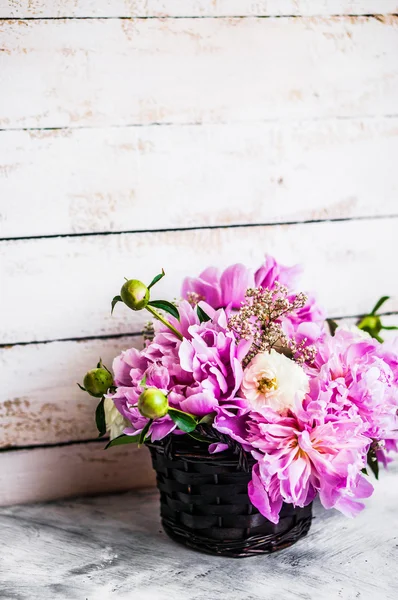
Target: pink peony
x=227 y=290
x=199 y=374
x=272 y=271
x=219 y=290
x=357 y=377
x=301 y=455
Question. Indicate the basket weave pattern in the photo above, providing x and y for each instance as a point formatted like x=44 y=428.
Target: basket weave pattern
x=204 y=503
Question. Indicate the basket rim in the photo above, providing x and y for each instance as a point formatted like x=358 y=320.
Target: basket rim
x=189 y=449
x=195 y=453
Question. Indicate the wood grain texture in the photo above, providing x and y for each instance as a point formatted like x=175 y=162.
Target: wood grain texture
x=61 y=288
x=45 y=406
x=189 y=8
x=98 y=72
x=118 y=179
x=113 y=547
x=60 y=472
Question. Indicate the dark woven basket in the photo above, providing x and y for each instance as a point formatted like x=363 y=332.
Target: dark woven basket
x=205 y=506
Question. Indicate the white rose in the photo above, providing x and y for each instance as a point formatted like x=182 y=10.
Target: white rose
x=273 y=380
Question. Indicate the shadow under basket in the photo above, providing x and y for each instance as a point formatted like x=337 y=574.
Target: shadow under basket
x=205 y=505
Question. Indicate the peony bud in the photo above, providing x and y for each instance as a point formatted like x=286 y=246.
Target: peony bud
x=153 y=404
x=135 y=294
x=97 y=382
x=371 y=324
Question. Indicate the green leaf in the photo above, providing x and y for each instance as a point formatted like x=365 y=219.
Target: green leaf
x=332 y=326
x=389 y=327
x=143 y=381
x=156 y=279
x=379 y=303
x=82 y=388
x=184 y=421
x=144 y=432
x=100 y=418
x=166 y=306
x=203 y=317
x=207 y=419
x=199 y=438
x=364 y=471
x=123 y=439
x=115 y=301
x=373 y=463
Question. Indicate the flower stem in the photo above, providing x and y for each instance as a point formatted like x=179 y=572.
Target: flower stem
x=164 y=321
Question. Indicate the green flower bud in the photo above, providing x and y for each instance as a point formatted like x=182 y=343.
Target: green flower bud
x=97 y=382
x=371 y=324
x=135 y=294
x=153 y=404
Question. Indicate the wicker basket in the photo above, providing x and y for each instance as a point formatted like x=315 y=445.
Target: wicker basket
x=205 y=506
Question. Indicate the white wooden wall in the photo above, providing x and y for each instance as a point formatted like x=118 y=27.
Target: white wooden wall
x=138 y=135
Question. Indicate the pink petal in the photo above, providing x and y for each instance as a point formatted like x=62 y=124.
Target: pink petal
x=214 y=448
x=159 y=429
x=200 y=404
x=186 y=354
x=261 y=500
x=234 y=282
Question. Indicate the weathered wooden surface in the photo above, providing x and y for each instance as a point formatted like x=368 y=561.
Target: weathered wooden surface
x=37 y=474
x=114 y=547
x=183 y=8
x=92 y=180
x=45 y=406
x=61 y=288
x=93 y=72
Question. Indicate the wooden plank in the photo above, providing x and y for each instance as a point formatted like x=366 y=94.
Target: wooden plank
x=190 y=8
x=112 y=71
x=89 y=180
x=59 y=472
x=45 y=406
x=61 y=288
x=106 y=547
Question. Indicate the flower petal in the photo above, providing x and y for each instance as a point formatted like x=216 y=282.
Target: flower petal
x=260 y=498
x=200 y=404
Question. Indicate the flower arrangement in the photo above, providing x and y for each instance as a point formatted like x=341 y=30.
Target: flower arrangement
x=244 y=360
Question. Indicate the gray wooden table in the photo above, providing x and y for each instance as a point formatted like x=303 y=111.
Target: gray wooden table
x=114 y=547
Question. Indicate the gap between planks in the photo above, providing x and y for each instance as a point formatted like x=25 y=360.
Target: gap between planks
x=199 y=228
x=93 y=266
x=201 y=122
x=379 y=16
x=116 y=336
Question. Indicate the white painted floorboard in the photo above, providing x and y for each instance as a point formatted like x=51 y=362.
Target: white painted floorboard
x=113 y=547
x=184 y=8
